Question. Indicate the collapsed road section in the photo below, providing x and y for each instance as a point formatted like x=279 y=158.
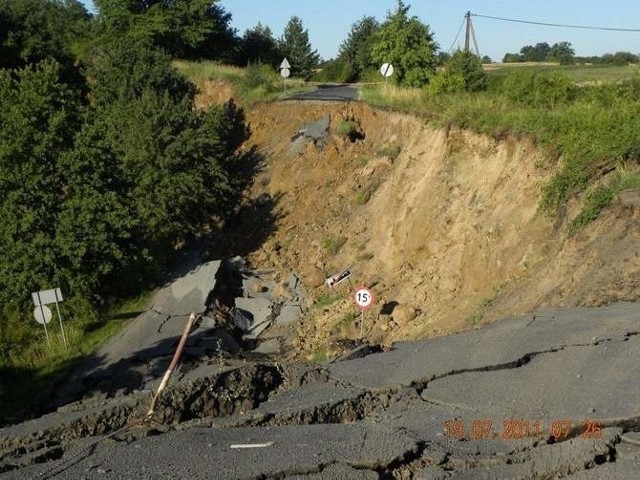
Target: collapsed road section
x=548 y=395
x=236 y=309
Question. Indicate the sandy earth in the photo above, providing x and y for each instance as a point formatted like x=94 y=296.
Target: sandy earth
x=442 y=223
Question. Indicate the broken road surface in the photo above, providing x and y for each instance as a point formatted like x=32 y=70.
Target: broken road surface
x=544 y=396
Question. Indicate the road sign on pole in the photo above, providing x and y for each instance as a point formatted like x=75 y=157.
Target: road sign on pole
x=363 y=298
x=42 y=314
x=285 y=71
x=386 y=70
x=285 y=64
x=45 y=297
x=338 y=278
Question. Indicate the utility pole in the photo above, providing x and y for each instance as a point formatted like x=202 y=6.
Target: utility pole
x=470 y=34
x=467 y=32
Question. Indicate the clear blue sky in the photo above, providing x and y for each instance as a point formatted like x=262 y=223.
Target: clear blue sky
x=329 y=21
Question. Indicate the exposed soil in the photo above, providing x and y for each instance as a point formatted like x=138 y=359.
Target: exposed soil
x=441 y=222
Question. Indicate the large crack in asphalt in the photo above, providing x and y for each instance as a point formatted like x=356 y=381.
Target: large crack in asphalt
x=234 y=398
x=421 y=385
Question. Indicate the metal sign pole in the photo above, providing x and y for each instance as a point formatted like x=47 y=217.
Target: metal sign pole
x=44 y=322
x=361 y=324
x=64 y=336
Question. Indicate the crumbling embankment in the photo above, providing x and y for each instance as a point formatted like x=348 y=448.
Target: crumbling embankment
x=443 y=222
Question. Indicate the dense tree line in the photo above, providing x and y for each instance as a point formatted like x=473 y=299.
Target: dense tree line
x=564 y=54
x=104 y=162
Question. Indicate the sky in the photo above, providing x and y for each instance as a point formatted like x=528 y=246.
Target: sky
x=329 y=21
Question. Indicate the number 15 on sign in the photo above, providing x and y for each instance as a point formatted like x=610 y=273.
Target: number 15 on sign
x=364 y=299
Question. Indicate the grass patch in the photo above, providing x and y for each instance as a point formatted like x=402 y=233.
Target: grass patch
x=476 y=318
x=364 y=195
x=327 y=299
x=365 y=256
x=32 y=373
x=601 y=196
x=393 y=96
x=333 y=244
x=391 y=152
x=577 y=73
x=254 y=84
x=347 y=319
x=319 y=355
x=362 y=161
x=347 y=128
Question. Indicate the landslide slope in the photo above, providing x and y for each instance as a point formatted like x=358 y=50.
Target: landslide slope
x=443 y=223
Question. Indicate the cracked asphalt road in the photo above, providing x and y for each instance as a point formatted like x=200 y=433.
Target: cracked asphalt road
x=545 y=397
x=329 y=92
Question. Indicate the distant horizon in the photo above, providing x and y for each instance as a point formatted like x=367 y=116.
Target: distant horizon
x=330 y=23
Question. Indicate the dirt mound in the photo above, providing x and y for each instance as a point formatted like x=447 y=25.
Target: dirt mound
x=441 y=222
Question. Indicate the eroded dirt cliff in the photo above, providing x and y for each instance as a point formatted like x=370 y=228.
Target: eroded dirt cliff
x=442 y=223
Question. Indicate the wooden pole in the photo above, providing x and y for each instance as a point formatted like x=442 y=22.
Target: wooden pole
x=174 y=363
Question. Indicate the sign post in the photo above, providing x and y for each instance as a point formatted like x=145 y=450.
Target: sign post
x=285 y=71
x=363 y=298
x=386 y=70
x=42 y=314
x=45 y=297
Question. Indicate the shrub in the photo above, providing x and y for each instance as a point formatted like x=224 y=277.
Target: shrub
x=446 y=82
x=259 y=75
x=334 y=244
x=539 y=90
x=469 y=66
x=347 y=127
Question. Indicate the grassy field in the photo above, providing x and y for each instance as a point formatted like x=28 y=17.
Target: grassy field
x=578 y=73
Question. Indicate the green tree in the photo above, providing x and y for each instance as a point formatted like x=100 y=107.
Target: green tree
x=185 y=29
x=175 y=161
x=469 y=67
x=335 y=70
x=562 y=52
x=34 y=30
x=512 y=58
x=408 y=44
x=535 y=53
x=295 y=46
x=259 y=46
x=97 y=238
x=356 y=49
x=39 y=115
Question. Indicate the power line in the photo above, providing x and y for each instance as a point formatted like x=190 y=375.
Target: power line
x=457 y=35
x=584 y=27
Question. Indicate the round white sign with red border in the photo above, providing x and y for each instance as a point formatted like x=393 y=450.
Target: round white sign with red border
x=363 y=297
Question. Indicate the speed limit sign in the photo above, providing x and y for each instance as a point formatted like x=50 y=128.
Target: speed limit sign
x=363 y=298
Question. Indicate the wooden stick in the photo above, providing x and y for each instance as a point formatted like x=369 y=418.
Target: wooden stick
x=174 y=363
